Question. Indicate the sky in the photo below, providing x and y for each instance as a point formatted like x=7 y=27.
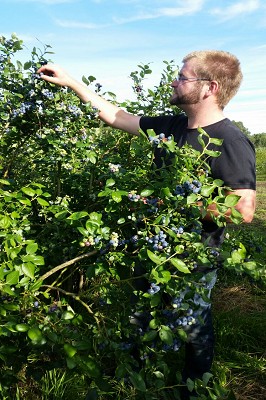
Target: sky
x=109 y=38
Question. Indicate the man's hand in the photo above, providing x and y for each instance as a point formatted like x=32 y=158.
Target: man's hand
x=55 y=74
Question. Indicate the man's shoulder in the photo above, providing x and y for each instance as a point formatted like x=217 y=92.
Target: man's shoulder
x=225 y=129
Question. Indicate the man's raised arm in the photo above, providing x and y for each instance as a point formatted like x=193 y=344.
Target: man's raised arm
x=108 y=112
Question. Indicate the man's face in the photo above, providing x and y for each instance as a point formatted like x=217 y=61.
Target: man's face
x=186 y=92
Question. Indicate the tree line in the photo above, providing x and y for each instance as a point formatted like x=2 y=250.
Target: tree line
x=258 y=139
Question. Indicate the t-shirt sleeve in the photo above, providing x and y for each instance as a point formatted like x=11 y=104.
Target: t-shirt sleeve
x=155 y=123
x=236 y=165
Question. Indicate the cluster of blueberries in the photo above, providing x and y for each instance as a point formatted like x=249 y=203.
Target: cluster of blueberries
x=75 y=110
x=154 y=288
x=152 y=202
x=23 y=108
x=176 y=230
x=187 y=188
x=172 y=316
x=155 y=140
x=132 y=196
x=47 y=93
x=158 y=241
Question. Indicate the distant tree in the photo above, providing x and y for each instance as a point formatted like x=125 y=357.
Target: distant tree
x=259 y=139
x=241 y=126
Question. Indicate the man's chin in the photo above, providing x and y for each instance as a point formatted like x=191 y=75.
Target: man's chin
x=173 y=101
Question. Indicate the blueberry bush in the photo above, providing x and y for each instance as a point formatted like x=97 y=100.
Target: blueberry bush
x=101 y=251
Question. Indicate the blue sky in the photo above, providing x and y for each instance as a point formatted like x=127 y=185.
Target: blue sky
x=109 y=38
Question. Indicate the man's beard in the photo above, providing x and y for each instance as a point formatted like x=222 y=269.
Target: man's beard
x=185 y=99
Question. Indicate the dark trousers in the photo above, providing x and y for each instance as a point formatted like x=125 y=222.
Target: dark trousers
x=199 y=351
x=200 y=347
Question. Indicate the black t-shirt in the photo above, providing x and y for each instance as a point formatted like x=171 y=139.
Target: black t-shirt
x=236 y=165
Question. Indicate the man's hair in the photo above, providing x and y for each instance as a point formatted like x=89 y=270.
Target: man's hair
x=219 y=66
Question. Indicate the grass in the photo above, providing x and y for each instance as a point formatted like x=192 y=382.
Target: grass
x=239 y=307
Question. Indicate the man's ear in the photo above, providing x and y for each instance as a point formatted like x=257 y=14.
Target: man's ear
x=213 y=87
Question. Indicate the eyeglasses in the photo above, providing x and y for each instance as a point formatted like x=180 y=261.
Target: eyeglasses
x=179 y=78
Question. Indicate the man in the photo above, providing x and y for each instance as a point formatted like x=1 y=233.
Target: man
x=205 y=84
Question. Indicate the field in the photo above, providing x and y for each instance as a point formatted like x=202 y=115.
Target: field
x=240 y=321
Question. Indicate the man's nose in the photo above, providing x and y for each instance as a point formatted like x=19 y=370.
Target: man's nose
x=174 y=83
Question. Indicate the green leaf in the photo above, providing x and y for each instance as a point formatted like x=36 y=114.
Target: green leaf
x=28 y=191
x=92 y=158
x=218 y=182
x=116 y=196
x=161 y=276
x=92 y=367
x=26 y=202
x=27 y=65
x=67 y=315
x=231 y=200
x=192 y=198
x=158 y=374
x=70 y=363
x=11 y=306
x=216 y=141
x=190 y=384
x=69 y=350
x=78 y=215
x=166 y=334
x=7 y=289
x=170 y=145
x=12 y=278
x=91 y=226
x=154 y=323
x=22 y=327
x=5 y=222
x=4 y=182
x=29 y=270
x=250 y=265
x=213 y=153
x=180 y=265
x=146 y=192
x=95 y=216
x=201 y=141
x=61 y=215
x=31 y=248
x=155 y=300
x=137 y=381
x=206 y=377
x=38 y=260
x=206 y=191
x=153 y=257
x=110 y=182
x=149 y=336
x=42 y=202
x=35 y=334
x=83 y=231
x=167 y=192
x=35 y=286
